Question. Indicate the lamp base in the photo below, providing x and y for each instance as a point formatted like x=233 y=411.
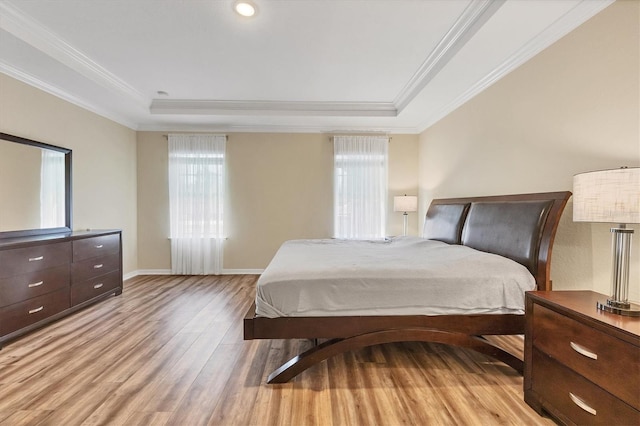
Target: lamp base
x=619 y=308
x=405 y=224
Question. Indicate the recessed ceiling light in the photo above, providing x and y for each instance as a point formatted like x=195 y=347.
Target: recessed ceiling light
x=245 y=8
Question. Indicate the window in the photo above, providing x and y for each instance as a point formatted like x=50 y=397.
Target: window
x=360 y=186
x=196 y=195
x=52 y=189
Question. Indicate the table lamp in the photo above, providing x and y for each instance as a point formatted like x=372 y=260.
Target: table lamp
x=612 y=196
x=405 y=203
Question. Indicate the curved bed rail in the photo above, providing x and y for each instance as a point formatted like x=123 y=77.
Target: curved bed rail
x=319 y=353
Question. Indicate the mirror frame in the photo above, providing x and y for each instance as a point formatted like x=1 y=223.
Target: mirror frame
x=67 y=189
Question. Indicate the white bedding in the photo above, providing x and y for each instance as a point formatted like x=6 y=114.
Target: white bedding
x=400 y=276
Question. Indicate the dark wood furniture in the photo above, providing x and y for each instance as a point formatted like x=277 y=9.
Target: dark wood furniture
x=46 y=277
x=582 y=365
x=521 y=227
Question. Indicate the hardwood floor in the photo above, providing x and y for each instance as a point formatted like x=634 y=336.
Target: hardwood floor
x=169 y=351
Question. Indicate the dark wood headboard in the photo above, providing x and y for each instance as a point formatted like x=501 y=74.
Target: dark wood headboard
x=521 y=227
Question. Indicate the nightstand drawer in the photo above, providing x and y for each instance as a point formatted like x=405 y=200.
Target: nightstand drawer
x=567 y=394
x=599 y=357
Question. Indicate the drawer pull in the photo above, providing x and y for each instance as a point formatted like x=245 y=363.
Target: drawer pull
x=98 y=266
x=98 y=286
x=580 y=403
x=99 y=246
x=583 y=351
x=33 y=311
x=35 y=259
x=38 y=284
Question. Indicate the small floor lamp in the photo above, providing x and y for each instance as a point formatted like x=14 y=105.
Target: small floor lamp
x=612 y=196
x=405 y=203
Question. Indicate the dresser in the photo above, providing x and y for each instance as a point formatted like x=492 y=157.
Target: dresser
x=46 y=277
x=582 y=365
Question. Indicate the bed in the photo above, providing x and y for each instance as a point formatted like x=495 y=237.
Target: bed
x=313 y=290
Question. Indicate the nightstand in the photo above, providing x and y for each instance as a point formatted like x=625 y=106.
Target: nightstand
x=582 y=365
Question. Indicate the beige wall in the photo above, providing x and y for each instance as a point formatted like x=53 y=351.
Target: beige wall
x=403 y=179
x=154 y=251
x=279 y=187
x=104 y=157
x=575 y=107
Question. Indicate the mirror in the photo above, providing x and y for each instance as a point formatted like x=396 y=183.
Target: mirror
x=35 y=187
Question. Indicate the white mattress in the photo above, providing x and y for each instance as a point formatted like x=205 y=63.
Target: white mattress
x=400 y=276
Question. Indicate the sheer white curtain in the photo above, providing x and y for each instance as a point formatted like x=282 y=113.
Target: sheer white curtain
x=360 y=186
x=52 y=187
x=196 y=195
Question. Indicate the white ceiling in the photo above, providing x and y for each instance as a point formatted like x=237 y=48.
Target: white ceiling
x=298 y=66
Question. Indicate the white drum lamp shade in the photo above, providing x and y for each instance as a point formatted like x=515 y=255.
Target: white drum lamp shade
x=610 y=196
x=405 y=203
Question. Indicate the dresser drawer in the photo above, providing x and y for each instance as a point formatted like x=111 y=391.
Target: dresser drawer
x=91 y=288
x=19 y=288
x=556 y=384
x=23 y=314
x=95 y=246
x=593 y=354
x=90 y=268
x=36 y=258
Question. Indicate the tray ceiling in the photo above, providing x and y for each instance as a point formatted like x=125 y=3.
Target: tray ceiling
x=297 y=66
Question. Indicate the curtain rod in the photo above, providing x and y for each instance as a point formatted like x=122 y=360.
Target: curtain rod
x=361 y=134
x=198 y=134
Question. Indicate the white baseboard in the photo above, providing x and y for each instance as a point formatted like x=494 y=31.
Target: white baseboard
x=242 y=271
x=168 y=272
x=146 y=272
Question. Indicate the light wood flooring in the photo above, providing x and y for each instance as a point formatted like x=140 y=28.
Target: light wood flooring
x=169 y=350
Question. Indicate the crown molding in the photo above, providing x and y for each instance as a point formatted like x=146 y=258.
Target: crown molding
x=59 y=93
x=323 y=109
x=475 y=15
x=554 y=32
x=22 y=26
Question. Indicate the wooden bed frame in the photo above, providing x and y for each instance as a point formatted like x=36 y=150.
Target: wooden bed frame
x=521 y=227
